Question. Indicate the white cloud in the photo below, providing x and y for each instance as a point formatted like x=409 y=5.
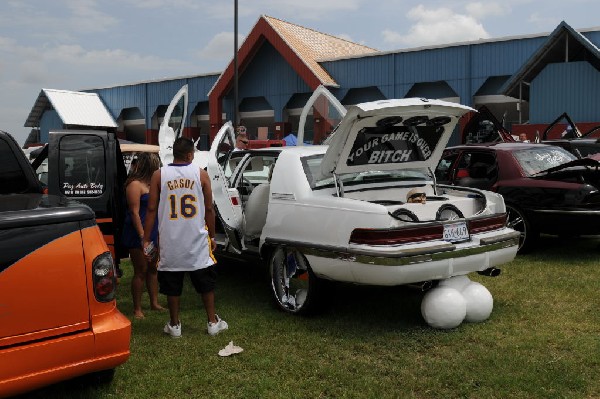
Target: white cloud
x=173 y=4
x=220 y=47
x=542 y=21
x=77 y=67
x=86 y=17
x=295 y=10
x=65 y=21
x=479 y=10
x=307 y=9
x=436 y=26
x=207 y=9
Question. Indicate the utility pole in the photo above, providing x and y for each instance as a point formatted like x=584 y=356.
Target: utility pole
x=235 y=65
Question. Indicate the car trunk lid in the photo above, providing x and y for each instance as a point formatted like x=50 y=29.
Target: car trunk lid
x=391 y=135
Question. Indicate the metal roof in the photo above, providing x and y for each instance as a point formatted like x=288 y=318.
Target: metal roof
x=564 y=44
x=311 y=45
x=306 y=45
x=73 y=107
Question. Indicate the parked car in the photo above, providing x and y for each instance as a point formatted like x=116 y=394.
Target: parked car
x=580 y=147
x=58 y=313
x=484 y=127
x=340 y=211
x=546 y=188
x=580 y=144
x=87 y=166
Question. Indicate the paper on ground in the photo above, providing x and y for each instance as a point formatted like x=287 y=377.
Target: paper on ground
x=230 y=349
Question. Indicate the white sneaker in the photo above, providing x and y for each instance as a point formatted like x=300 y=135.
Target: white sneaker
x=173 y=331
x=215 y=328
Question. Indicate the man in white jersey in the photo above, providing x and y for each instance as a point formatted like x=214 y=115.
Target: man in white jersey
x=182 y=195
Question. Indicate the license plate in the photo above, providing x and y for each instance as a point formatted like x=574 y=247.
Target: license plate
x=455 y=232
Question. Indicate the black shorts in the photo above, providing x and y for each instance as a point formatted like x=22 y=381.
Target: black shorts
x=203 y=280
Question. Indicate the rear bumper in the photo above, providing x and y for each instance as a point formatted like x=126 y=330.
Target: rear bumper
x=397 y=265
x=31 y=366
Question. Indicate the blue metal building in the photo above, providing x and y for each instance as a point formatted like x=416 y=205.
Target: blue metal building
x=527 y=81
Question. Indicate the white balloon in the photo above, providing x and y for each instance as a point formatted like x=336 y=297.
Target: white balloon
x=443 y=307
x=479 y=302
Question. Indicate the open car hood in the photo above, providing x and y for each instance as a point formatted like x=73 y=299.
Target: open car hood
x=387 y=135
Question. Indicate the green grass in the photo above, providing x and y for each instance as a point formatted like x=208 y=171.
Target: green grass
x=541 y=341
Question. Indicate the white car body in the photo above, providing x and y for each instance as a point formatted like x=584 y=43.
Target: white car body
x=339 y=211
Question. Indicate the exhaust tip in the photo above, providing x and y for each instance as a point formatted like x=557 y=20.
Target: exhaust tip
x=491 y=272
x=423 y=285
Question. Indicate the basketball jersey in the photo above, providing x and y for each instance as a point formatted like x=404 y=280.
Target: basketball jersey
x=183 y=239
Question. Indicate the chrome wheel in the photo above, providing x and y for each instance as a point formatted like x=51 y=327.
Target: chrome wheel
x=517 y=221
x=293 y=283
x=448 y=212
x=405 y=215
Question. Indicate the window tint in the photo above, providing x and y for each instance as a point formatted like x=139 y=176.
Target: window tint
x=82 y=166
x=586 y=150
x=442 y=172
x=312 y=169
x=258 y=169
x=535 y=160
x=12 y=178
x=478 y=165
x=224 y=150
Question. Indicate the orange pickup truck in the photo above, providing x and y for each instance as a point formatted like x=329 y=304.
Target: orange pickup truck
x=58 y=313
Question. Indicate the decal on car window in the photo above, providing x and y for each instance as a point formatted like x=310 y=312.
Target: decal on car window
x=536 y=160
x=82 y=171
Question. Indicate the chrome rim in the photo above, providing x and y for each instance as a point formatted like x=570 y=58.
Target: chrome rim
x=289 y=279
x=448 y=212
x=516 y=221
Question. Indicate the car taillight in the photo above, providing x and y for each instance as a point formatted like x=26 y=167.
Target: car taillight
x=424 y=233
x=104 y=277
x=481 y=225
x=396 y=236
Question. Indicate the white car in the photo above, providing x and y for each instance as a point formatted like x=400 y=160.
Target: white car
x=340 y=212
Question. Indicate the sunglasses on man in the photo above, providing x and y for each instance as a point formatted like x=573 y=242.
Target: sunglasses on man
x=417 y=197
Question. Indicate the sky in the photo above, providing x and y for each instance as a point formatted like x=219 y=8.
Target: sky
x=83 y=44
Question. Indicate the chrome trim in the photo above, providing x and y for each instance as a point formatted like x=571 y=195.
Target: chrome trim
x=503 y=237
x=404 y=257
x=283 y=196
x=437 y=248
x=567 y=212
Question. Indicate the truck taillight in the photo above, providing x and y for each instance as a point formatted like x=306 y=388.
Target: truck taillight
x=104 y=277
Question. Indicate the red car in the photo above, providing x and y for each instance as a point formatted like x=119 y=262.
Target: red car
x=546 y=188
